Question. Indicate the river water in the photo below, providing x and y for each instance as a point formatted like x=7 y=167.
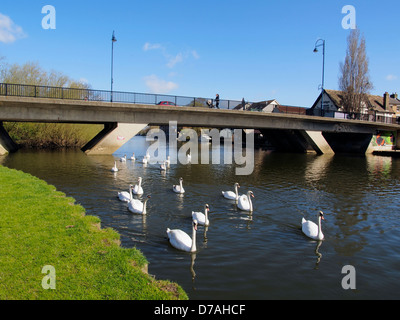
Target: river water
x=240 y=256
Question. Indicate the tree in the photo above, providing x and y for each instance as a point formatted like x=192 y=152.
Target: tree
x=354 y=79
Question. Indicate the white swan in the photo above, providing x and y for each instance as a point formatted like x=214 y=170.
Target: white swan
x=168 y=161
x=232 y=195
x=311 y=230
x=136 y=206
x=114 y=169
x=137 y=189
x=123 y=159
x=178 y=188
x=125 y=196
x=202 y=218
x=133 y=158
x=144 y=160
x=181 y=240
x=163 y=166
x=244 y=202
x=147 y=156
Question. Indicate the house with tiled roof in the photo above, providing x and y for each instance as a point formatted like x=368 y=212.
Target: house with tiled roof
x=382 y=108
x=263 y=106
x=271 y=106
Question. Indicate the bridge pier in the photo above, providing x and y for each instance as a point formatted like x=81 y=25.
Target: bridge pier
x=302 y=141
x=7 y=144
x=112 y=137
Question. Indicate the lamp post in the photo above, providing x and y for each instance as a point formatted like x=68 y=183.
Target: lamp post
x=319 y=43
x=113 y=39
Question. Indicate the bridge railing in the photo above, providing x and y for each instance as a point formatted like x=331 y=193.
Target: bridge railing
x=36 y=91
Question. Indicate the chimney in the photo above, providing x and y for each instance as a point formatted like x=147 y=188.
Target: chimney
x=386 y=101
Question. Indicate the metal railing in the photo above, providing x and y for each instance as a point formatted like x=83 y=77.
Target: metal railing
x=37 y=91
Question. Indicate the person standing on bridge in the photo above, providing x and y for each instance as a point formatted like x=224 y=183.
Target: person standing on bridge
x=217 y=101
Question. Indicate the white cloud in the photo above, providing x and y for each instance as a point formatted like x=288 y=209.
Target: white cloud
x=157 y=85
x=391 y=77
x=9 y=31
x=172 y=61
x=151 y=46
x=195 y=54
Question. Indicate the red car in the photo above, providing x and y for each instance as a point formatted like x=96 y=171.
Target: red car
x=166 y=103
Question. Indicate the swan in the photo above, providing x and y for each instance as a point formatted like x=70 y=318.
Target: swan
x=125 y=196
x=168 y=161
x=181 y=240
x=178 y=188
x=114 y=169
x=163 y=167
x=244 y=202
x=133 y=158
x=311 y=230
x=144 y=160
x=136 y=206
x=232 y=195
x=137 y=189
x=123 y=159
x=147 y=156
x=202 y=218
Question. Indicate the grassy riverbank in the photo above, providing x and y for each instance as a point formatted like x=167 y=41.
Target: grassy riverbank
x=40 y=226
x=51 y=135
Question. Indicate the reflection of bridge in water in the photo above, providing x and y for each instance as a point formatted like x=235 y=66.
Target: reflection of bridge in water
x=122 y=121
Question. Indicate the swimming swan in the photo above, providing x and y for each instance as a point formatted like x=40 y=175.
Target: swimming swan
x=244 y=202
x=180 y=240
x=114 y=169
x=179 y=188
x=123 y=159
x=232 y=195
x=202 y=218
x=311 y=230
x=136 y=206
x=125 y=196
x=137 y=189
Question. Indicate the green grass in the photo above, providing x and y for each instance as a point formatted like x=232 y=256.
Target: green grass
x=51 y=135
x=40 y=226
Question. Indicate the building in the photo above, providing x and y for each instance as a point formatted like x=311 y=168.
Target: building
x=271 y=106
x=384 y=108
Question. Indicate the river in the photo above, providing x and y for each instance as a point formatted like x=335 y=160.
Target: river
x=241 y=256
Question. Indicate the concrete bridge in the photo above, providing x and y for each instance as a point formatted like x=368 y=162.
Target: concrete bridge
x=122 y=121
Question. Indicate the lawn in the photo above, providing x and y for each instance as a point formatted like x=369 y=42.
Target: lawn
x=40 y=226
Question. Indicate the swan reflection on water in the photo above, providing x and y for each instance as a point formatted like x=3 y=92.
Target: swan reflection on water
x=318 y=254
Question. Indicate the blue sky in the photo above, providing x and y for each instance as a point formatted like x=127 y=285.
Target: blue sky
x=254 y=49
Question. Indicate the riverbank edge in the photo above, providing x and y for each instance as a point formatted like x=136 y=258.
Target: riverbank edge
x=42 y=227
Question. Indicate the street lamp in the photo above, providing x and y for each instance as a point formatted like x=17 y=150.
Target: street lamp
x=319 y=43
x=113 y=39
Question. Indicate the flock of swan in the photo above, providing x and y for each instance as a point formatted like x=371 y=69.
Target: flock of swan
x=180 y=239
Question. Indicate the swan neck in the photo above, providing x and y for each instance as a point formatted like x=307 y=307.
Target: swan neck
x=319 y=226
x=250 y=202
x=144 y=205
x=193 y=248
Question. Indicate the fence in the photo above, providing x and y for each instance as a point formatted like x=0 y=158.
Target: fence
x=34 y=91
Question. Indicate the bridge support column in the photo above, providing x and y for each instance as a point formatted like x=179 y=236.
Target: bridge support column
x=112 y=137
x=7 y=144
x=318 y=142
